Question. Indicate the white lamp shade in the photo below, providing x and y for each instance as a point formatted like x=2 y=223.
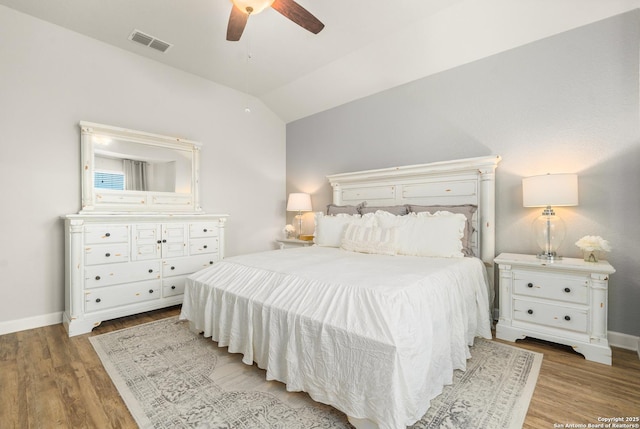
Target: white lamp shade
x=299 y=201
x=550 y=190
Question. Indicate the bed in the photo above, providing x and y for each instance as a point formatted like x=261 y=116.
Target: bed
x=375 y=331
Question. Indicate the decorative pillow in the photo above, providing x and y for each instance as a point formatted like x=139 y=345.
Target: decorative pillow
x=333 y=209
x=395 y=210
x=427 y=234
x=330 y=229
x=369 y=239
x=466 y=209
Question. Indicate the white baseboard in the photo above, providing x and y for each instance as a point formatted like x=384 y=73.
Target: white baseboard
x=624 y=341
x=11 y=326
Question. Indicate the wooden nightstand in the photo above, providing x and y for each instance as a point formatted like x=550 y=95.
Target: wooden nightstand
x=564 y=301
x=289 y=243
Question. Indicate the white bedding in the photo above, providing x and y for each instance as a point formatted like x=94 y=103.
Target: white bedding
x=375 y=336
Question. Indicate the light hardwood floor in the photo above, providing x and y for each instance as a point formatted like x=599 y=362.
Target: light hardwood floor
x=48 y=380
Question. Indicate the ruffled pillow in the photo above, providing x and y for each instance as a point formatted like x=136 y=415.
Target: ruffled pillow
x=369 y=239
x=426 y=234
x=330 y=229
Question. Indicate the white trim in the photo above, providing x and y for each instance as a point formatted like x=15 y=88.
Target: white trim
x=11 y=326
x=624 y=341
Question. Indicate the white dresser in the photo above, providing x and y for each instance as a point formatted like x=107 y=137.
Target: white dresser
x=122 y=264
x=564 y=301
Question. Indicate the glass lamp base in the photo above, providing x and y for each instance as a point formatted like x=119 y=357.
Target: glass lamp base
x=549 y=231
x=553 y=256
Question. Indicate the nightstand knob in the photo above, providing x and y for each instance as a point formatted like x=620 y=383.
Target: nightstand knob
x=567 y=290
x=150 y=290
x=567 y=318
x=98 y=300
x=529 y=284
x=530 y=311
x=97 y=277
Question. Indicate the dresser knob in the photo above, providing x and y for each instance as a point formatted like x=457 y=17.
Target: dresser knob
x=159 y=241
x=150 y=290
x=210 y=262
x=567 y=290
x=107 y=254
x=567 y=318
x=98 y=300
x=529 y=284
x=205 y=246
x=173 y=287
x=107 y=234
x=150 y=271
x=204 y=230
x=97 y=277
x=173 y=268
x=164 y=241
x=530 y=311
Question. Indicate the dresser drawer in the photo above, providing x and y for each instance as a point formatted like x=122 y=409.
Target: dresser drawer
x=180 y=266
x=172 y=286
x=96 y=234
x=111 y=274
x=199 y=246
x=106 y=253
x=562 y=317
x=115 y=296
x=558 y=287
x=203 y=229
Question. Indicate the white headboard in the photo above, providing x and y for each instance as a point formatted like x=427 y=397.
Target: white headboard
x=462 y=181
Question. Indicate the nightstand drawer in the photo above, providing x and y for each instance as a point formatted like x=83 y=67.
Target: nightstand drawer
x=550 y=315
x=557 y=287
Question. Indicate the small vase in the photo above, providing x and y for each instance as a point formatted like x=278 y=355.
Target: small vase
x=590 y=256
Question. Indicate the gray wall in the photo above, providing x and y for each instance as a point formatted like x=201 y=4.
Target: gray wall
x=568 y=103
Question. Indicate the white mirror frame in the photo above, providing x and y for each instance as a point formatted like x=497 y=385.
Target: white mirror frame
x=110 y=201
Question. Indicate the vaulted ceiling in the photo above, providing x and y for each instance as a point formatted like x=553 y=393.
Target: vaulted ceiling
x=366 y=46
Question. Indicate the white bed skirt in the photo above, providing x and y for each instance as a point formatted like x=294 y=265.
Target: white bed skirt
x=375 y=336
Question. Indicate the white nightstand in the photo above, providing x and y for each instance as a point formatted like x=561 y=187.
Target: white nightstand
x=289 y=243
x=564 y=301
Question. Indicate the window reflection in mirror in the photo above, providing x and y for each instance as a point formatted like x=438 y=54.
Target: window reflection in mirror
x=133 y=166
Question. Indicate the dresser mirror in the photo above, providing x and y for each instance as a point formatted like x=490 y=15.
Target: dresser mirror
x=133 y=171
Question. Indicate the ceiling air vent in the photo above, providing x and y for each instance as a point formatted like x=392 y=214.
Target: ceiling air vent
x=149 y=41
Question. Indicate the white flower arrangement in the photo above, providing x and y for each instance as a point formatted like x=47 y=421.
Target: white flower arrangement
x=289 y=231
x=590 y=243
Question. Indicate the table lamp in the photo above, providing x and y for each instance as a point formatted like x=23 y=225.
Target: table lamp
x=299 y=202
x=546 y=191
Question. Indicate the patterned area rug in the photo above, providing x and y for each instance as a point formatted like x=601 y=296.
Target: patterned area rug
x=170 y=377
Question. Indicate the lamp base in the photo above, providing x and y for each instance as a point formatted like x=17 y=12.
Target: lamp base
x=549 y=256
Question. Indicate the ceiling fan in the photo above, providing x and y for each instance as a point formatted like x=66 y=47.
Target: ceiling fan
x=289 y=8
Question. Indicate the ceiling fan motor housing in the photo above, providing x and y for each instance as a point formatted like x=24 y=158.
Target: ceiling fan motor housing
x=252 y=6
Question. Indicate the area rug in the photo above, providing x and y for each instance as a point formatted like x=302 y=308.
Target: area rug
x=170 y=377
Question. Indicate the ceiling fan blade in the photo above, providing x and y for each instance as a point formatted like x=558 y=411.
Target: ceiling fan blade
x=299 y=15
x=237 y=22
